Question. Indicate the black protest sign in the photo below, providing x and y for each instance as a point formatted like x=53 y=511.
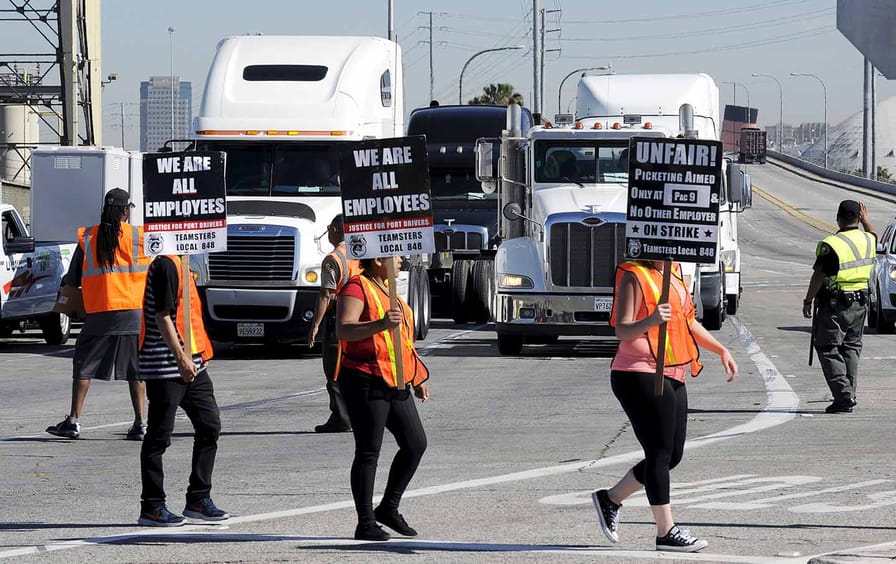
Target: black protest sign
x=673 y=199
x=185 y=206
x=386 y=201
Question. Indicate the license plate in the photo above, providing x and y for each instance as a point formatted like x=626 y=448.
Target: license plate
x=603 y=304
x=250 y=329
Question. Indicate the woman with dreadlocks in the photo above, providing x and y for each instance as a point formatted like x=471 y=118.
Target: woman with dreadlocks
x=110 y=267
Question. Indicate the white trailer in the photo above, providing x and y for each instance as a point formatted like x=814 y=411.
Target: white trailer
x=280 y=106
x=563 y=207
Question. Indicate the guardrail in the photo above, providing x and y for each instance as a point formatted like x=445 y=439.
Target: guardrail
x=885 y=187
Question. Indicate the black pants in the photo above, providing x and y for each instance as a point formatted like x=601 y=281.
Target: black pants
x=330 y=347
x=372 y=407
x=660 y=424
x=198 y=401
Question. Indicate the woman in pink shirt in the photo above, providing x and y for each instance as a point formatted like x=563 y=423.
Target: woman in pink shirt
x=659 y=422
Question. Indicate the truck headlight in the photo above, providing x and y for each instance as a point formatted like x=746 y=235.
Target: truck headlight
x=893 y=273
x=515 y=281
x=311 y=276
x=728 y=260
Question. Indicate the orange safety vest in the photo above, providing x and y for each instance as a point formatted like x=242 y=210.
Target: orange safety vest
x=120 y=287
x=377 y=300
x=348 y=268
x=199 y=341
x=681 y=348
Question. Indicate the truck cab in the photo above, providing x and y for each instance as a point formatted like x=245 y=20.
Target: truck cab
x=563 y=197
x=461 y=271
x=280 y=107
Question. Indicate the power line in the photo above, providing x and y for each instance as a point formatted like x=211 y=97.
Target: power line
x=753 y=8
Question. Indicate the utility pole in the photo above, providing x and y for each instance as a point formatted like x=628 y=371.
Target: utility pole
x=867 y=120
x=431 y=76
x=121 y=113
x=541 y=40
x=171 y=75
x=536 y=64
x=873 y=123
x=391 y=16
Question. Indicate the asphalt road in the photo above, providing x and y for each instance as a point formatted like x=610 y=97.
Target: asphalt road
x=516 y=444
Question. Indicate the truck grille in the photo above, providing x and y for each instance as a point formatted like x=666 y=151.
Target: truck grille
x=457 y=241
x=256 y=258
x=586 y=257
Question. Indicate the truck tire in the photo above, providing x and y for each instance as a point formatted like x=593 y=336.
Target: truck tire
x=460 y=283
x=6 y=331
x=733 y=304
x=483 y=294
x=423 y=310
x=56 y=328
x=510 y=345
x=714 y=317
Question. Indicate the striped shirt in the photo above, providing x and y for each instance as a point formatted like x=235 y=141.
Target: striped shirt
x=156 y=359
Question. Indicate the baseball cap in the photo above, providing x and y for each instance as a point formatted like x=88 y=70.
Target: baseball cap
x=118 y=197
x=849 y=209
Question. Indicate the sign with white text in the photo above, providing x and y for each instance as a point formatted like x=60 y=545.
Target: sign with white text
x=673 y=199
x=386 y=200
x=185 y=206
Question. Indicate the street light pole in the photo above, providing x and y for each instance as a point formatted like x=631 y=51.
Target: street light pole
x=780 y=109
x=583 y=71
x=171 y=74
x=825 y=92
x=460 y=82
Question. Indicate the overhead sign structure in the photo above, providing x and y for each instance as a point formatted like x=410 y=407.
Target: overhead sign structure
x=386 y=200
x=185 y=206
x=673 y=200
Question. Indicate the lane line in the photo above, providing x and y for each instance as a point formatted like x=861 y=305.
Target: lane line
x=781 y=404
x=796 y=214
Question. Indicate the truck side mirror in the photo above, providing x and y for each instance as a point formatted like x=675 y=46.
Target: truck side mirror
x=512 y=211
x=747 y=190
x=735 y=181
x=20 y=245
x=486 y=164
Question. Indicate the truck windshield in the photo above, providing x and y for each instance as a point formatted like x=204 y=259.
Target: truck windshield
x=457 y=184
x=279 y=169
x=581 y=161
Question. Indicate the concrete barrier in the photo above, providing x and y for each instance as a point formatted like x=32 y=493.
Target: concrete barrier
x=878 y=186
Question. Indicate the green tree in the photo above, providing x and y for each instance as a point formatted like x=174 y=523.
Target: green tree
x=883 y=174
x=501 y=93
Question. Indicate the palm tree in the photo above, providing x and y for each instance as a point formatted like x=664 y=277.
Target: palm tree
x=501 y=93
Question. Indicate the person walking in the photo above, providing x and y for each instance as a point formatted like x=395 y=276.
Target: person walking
x=377 y=396
x=838 y=289
x=175 y=379
x=659 y=422
x=336 y=270
x=110 y=268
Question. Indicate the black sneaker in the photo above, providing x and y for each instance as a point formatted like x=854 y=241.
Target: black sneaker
x=395 y=521
x=65 y=428
x=160 y=517
x=332 y=428
x=371 y=532
x=679 y=540
x=840 y=407
x=136 y=433
x=608 y=513
x=205 y=509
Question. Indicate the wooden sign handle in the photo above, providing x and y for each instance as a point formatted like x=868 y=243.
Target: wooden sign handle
x=186 y=282
x=396 y=332
x=661 y=342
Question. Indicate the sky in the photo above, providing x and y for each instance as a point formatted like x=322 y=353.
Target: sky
x=728 y=40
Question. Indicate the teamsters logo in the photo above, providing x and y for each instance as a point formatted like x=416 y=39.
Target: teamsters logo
x=357 y=245
x=634 y=248
x=155 y=244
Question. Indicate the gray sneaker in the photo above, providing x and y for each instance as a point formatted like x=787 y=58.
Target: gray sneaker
x=66 y=429
x=136 y=433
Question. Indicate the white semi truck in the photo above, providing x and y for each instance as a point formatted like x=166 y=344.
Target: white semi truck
x=280 y=106
x=563 y=194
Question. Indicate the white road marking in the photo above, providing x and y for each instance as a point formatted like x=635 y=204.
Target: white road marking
x=781 y=403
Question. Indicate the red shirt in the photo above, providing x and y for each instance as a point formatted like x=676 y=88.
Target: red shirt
x=359 y=355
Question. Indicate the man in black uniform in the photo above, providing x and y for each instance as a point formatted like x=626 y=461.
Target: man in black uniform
x=839 y=289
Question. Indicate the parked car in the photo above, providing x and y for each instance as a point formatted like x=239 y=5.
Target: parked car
x=882 y=284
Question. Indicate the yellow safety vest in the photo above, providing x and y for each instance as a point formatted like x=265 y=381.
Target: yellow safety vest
x=855 y=250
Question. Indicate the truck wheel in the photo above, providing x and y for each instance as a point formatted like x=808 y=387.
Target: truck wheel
x=6 y=331
x=56 y=328
x=460 y=282
x=714 y=317
x=733 y=303
x=511 y=345
x=483 y=276
x=423 y=311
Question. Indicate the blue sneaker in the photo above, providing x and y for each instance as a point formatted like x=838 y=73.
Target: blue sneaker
x=206 y=510
x=160 y=517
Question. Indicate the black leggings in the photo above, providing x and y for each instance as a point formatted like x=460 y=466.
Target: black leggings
x=372 y=407
x=660 y=424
